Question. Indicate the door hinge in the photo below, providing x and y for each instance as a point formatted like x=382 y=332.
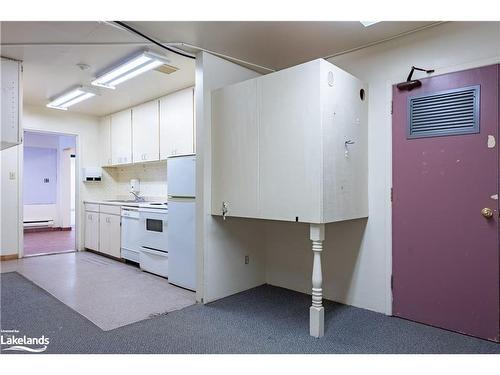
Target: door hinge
x=392 y=107
x=392 y=194
x=392 y=282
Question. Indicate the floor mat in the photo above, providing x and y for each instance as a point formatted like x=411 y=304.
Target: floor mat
x=109 y=293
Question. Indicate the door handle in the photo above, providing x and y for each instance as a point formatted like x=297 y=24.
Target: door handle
x=487 y=212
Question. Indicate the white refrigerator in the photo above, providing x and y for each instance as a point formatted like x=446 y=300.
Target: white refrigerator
x=181 y=221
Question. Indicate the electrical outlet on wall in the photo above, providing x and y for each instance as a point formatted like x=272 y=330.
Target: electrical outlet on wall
x=247 y=259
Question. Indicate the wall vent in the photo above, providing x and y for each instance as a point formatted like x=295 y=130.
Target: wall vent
x=449 y=112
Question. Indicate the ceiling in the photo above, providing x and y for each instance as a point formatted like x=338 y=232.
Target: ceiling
x=51 y=50
x=49 y=70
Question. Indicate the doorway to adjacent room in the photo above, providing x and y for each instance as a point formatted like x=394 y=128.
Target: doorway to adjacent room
x=49 y=193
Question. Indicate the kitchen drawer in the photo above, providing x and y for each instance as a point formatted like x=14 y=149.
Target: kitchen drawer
x=92 y=207
x=110 y=209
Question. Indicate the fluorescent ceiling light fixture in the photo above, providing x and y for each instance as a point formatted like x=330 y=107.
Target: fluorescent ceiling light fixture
x=72 y=97
x=368 y=23
x=131 y=68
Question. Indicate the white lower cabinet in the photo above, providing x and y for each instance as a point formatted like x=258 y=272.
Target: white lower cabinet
x=103 y=228
x=109 y=234
x=92 y=230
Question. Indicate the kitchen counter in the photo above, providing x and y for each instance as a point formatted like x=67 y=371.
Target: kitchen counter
x=115 y=202
x=125 y=203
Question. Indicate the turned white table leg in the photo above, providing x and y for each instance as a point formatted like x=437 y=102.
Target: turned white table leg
x=316 y=311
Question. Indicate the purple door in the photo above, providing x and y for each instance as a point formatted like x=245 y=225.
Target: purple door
x=445 y=208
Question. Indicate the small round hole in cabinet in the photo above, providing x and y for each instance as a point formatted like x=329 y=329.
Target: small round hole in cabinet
x=362 y=94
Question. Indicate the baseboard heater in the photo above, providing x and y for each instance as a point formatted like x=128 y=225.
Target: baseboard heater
x=38 y=223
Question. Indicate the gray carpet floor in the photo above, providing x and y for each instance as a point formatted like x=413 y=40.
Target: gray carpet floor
x=266 y=319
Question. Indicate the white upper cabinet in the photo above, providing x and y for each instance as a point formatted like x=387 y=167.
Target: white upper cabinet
x=11 y=97
x=292 y=146
x=121 y=137
x=151 y=131
x=177 y=123
x=145 y=132
x=105 y=139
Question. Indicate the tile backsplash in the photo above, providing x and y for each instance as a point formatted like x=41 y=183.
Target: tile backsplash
x=152 y=176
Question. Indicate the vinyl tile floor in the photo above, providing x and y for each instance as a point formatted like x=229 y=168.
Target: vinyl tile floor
x=109 y=293
x=49 y=242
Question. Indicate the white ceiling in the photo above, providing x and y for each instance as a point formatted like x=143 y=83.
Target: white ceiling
x=51 y=50
x=50 y=70
x=277 y=45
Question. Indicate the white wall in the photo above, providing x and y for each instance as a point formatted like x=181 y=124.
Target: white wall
x=152 y=176
x=221 y=245
x=357 y=259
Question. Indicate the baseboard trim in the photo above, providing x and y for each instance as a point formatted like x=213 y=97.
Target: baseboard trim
x=46 y=229
x=8 y=257
x=105 y=255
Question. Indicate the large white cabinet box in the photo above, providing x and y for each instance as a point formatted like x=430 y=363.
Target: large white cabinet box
x=177 y=124
x=291 y=145
x=145 y=132
x=11 y=97
x=121 y=137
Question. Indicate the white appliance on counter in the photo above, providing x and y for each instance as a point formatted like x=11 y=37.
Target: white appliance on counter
x=154 y=255
x=181 y=220
x=131 y=234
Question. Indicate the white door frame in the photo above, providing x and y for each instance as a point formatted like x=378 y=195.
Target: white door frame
x=21 y=184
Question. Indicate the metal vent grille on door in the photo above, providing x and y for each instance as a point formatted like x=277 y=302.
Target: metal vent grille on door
x=441 y=113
